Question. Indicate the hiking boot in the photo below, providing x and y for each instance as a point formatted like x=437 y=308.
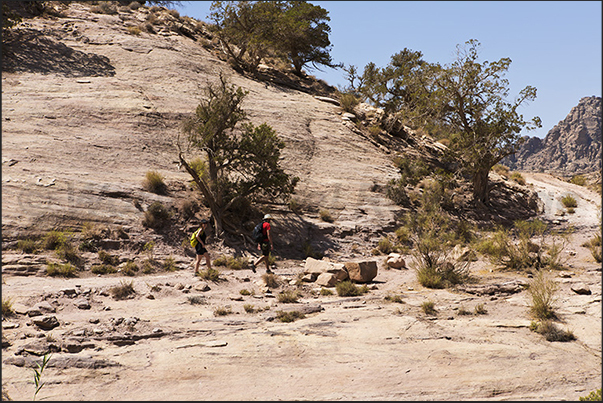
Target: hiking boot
x=253 y=268
x=268 y=271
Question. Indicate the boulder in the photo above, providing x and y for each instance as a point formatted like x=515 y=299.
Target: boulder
x=396 y=261
x=326 y=280
x=361 y=272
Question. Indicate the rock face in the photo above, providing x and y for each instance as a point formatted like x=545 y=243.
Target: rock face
x=572 y=147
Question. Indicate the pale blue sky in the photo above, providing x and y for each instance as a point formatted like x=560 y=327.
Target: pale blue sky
x=554 y=46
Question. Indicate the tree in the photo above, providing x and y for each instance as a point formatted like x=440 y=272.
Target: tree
x=302 y=35
x=485 y=127
x=241 y=161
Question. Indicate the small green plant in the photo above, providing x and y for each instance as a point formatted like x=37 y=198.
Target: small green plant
x=289 y=316
x=27 y=245
x=594 y=245
x=325 y=215
x=52 y=240
x=169 y=264
x=38 y=374
x=7 y=308
x=134 y=30
x=385 y=245
x=103 y=269
x=107 y=258
x=270 y=280
x=594 y=396
x=517 y=177
x=428 y=308
x=569 y=201
x=551 y=332
x=288 y=296
x=130 y=268
x=394 y=298
x=245 y=292
x=156 y=216
x=348 y=102
x=348 y=289
x=123 y=290
x=61 y=270
x=295 y=206
x=69 y=253
x=502 y=170
x=196 y=299
x=222 y=311
x=154 y=183
x=210 y=274
x=463 y=311
x=326 y=291
x=542 y=289
x=249 y=308
x=578 y=180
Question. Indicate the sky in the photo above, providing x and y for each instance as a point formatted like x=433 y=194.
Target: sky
x=554 y=46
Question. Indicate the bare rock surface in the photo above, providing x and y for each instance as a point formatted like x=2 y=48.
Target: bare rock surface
x=77 y=140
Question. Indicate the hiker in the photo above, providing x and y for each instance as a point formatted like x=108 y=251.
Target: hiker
x=265 y=245
x=200 y=248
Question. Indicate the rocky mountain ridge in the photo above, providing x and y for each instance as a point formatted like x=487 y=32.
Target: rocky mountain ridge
x=571 y=147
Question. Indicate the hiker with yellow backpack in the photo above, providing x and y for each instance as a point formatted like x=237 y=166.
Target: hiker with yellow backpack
x=198 y=242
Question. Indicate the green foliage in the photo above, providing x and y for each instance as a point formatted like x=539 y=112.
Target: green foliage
x=123 y=290
x=243 y=161
x=288 y=296
x=569 y=201
x=27 y=245
x=428 y=308
x=210 y=274
x=38 y=374
x=542 y=290
x=325 y=215
x=130 y=268
x=348 y=289
x=294 y=31
x=348 y=102
x=517 y=177
x=594 y=245
x=9 y=19
x=326 y=291
x=61 y=270
x=107 y=258
x=7 y=308
x=578 y=180
x=169 y=264
x=222 y=311
x=154 y=183
x=249 y=308
x=551 y=332
x=233 y=263
x=289 y=316
x=103 y=269
x=593 y=396
x=52 y=240
x=156 y=216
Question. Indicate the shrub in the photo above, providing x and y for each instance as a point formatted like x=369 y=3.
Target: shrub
x=7 y=308
x=295 y=206
x=593 y=396
x=249 y=308
x=222 y=311
x=517 y=177
x=428 y=308
x=578 y=180
x=551 y=332
x=233 y=263
x=270 y=280
x=61 y=270
x=326 y=291
x=394 y=298
x=169 y=264
x=289 y=316
x=443 y=275
x=385 y=245
x=348 y=289
x=210 y=274
x=594 y=245
x=67 y=252
x=348 y=102
x=123 y=290
x=27 y=245
x=325 y=215
x=130 y=268
x=154 y=183
x=542 y=290
x=245 y=292
x=156 y=215
x=134 y=30
x=196 y=299
x=502 y=170
x=107 y=258
x=288 y=296
x=103 y=269
x=53 y=240
x=569 y=201
x=463 y=311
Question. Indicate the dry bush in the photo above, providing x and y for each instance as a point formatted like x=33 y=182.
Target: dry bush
x=130 y=269
x=156 y=216
x=542 y=289
x=154 y=183
x=428 y=308
x=271 y=280
x=222 y=311
x=325 y=215
x=210 y=274
x=594 y=245
x=108 y=258
x=289 y=316
x=7 y=308
x=124 y=290
x=551 y=332
x=348 y=289
x=288 y=296
x=348 y=102
x=27 y=245
x=517 y=177
x=578 y=180
x=103 y=269
x=569 y=201
x=196 y=299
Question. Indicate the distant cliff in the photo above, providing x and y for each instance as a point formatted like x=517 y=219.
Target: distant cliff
x=572 y=147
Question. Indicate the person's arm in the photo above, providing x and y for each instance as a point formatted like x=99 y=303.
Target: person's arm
x=199 y=238
x=269 y=234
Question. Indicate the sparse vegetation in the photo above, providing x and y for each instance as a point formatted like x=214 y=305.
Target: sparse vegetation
x=249 y=308
x=517 y=177
x=463 y=311
x=480 y=309
x=222 y=311
x=124 y=290
x=325 y=215
x=103 y=269
x=593 y=396
x=551 y=332
x=348 y=289
x=288 y=296
x=542 y=290
x=578 y=180
x=326 y=291
x=348 y=102
x=196 y=299
x=289 y=316
x=27 y=245
x=245 y=292
x=154 y=183
x=156 y=216
x=61 y=270
x=394 y=298
x=107 y=258
x=428 y=307
x=594 y=245
x=7 y=308
x=569 y=201
x=169 y=264
x=210 y=274
x=233 y=263
x=130 y=268
x=38 y=374
x=270 y=280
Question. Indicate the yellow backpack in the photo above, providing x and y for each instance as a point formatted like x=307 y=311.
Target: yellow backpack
x=194 y=240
